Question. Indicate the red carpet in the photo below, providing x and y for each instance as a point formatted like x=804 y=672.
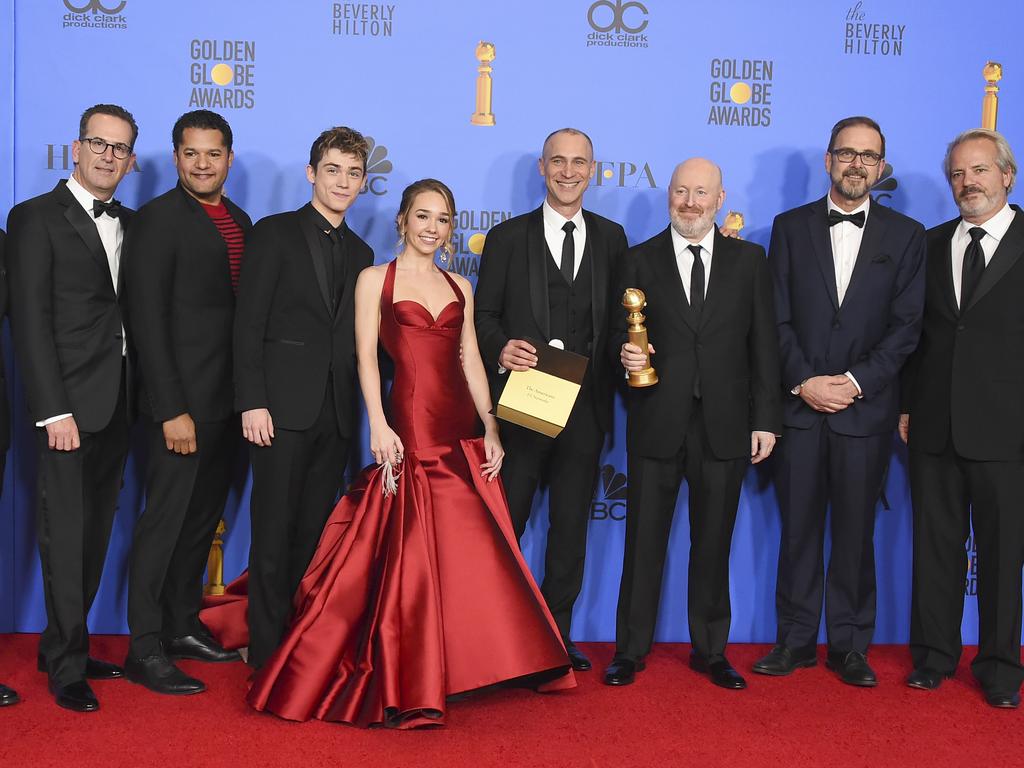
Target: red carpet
x=670 y=717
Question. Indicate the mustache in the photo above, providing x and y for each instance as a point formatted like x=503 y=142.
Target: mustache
x=971 y=190
x=689 y=209
x=855 y=172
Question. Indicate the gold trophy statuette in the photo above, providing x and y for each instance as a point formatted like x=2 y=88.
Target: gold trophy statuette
x=215 y=563
x=734 y=221
x=992 y=73
x=634 y=300
x=483 y=114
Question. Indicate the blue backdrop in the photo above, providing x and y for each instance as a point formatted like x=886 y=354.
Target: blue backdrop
x=755 y=87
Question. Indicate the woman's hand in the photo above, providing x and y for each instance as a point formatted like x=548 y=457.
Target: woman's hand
x=495 y=454
x=386 y=445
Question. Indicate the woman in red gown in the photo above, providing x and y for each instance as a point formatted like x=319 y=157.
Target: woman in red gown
x=417 y=590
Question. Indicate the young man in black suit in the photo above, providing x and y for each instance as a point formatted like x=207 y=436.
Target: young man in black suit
x=714 y=411
x=64 y=250
x=295 y=375
x=964 y=414
x=849 y=292
x=7 y=695
x=181 y=270
x=547 y=275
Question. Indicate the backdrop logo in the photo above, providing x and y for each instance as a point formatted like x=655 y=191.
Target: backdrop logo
x=741 y=92
x=617 y=24
x=624 y=174
x=95 y=14
x=971 y=582
x=363 y=19
x=470 y=231
x=58 y=158
x=223 y=74
x=885 y=186
x=610 y=500
x=868 y=39
x=377 y=168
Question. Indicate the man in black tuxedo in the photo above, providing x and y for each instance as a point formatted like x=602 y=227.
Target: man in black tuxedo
x=713 y=412
x=964 y=414
x=181 y=266
x=295 y=375
x=64 y=251
x=546 y=276
x=849 y=291
x=7 y=695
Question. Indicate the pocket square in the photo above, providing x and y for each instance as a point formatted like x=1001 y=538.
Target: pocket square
x=880 y=259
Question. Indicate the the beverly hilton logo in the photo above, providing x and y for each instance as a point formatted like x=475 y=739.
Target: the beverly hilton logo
x=363 y=19
x=95 y=14
x=377 y=168
x=741 y=92
x=865 y=38
x=223 y=74
x=617 y=24
x=58 y=158
x=471 y=227
x=610 y=500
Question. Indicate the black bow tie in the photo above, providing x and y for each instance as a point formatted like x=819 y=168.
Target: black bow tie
x=857 y=219
x=112 y=208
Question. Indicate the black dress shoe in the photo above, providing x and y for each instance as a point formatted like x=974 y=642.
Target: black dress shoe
x=926 y=678
x=8 y=696
x=782 y=660
x=94 y=668
x=1003 y=700
x=853 y=668
x=622 y=671
x=78 y=696
x=721 y=672
x=198 y=648
x=157 y=673
x=580 y=663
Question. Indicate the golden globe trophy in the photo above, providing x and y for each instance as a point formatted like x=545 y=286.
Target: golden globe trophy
x=483 y=114
x=634 y=300
x=734 y=222
x=215 y=564
x=992 y=73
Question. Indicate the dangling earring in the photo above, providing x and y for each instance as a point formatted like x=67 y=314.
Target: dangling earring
x=401 y=239
x=445 y=254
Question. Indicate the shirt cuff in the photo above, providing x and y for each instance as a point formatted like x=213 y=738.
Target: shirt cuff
x=860 y=392
x=52 y=419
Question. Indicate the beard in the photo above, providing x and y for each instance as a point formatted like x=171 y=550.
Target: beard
x=697 y=227
x=852 y=185
x=981 y=204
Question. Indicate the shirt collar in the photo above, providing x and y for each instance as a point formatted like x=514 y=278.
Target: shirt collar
x=82 y=195
x=707 y=242
x=554 y=219
x=321 y=223
x=865 y=206
x=995 y=227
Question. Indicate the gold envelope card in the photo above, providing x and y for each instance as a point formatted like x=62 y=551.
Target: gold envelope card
x=542 y=398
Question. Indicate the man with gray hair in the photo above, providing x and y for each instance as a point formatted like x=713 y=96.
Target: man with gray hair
x=963 y=418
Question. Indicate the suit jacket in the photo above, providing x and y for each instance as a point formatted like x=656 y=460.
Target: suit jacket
x=181 y=307
x=870 y=334
x=65 y=315
x=286 y=334
x=734 y=348
x=512 y=295
x=5 y=408
x=966 y=379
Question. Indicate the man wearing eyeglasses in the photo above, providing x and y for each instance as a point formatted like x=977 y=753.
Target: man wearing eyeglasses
x=849 y=295
x=64 y=251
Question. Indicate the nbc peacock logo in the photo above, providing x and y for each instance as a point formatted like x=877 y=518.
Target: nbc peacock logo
x=610 y=500
x=882 y=189
x=378 y=166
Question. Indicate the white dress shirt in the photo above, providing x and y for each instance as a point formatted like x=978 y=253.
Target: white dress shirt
x=684 y=257
x=846 y=237
x=555 y=237
x=995 y=228
x=111 y=236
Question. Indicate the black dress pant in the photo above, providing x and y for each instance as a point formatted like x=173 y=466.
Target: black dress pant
x=714 y=493
x=185 y=498
x=77 y=494
x=569 y=464
x=295 y=483
x=950 y=492
x=814 y=468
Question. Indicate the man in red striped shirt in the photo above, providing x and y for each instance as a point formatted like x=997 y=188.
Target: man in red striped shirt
x=182 y=262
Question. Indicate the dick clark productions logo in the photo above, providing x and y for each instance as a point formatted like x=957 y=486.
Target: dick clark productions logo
x=94 y=14
x=617 y=24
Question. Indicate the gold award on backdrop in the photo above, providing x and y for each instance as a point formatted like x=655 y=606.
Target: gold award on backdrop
x=734 y=221
x=483 y=114
x=993 y=73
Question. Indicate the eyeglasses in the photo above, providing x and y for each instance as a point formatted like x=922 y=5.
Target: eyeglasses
x=99 y=146
x=846 y=155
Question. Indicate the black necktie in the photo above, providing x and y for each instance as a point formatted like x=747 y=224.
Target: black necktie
x=696 y=301
x=336 y=272
x=974 y=266
x=857 y=219
x=568 y=252
x=111 y=208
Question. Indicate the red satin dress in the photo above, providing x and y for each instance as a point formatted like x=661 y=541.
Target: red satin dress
x=422 y=594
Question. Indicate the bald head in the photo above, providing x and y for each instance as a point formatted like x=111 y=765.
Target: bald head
x=695 y=196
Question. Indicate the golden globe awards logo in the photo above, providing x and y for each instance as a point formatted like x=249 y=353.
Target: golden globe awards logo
x=362 y=19
x=741 y=92
x=95 y=14
x=223 y=74
x=624 y=174
x=471 y=227
x=617 y=24
x=869 y=39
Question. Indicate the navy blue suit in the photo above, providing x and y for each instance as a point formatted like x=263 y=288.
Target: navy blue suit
x=841 y=458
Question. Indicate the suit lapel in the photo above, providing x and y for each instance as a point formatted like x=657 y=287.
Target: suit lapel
x=310 y=236
x=668 y=275
x=817 y=224
x=1011 y=246
x=351 y=273
x=720 y=275
x=870 y=243
x=596 y=251
x=85 y=226
x=536 y=266
x=126 y=218
x=945 y=272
